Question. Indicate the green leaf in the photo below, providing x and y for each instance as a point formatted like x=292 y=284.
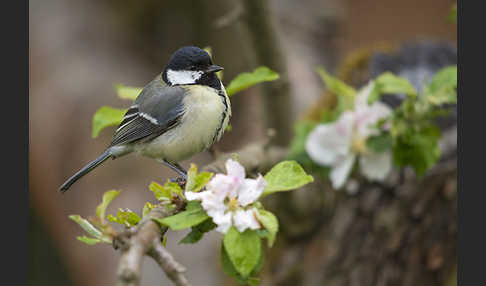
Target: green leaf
x=192 y=237
x=173 y=188
x=227 y=265
x=113 y=218
x=193 y=215
x=160 y=192
x=127 y=92
x=257 y=267
x=388 y=83
x=195 y=182
x=88 y=240
x=302 y=130
x=246 y=80
x=87 y=226
x=452 y=17
x=338 y=87
x=262 y=233
x=285 y=176
x=379 y=143
x=147 y=208
x=125 y=217
x=253 y=281
x=329 y=114
x=198 y=231
x=230 y=270
x=270 y=223
x=243 y=249
x=191 y=175
x=445 y=77
x=442 y=89
x=206 y=226
x=419 y=149
x=107 y=198
x=345 y=94
x=209 y=50
x=167 y=191
x=106 y=116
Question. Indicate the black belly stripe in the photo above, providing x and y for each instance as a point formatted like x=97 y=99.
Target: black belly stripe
x=225 y=112
x=213 y=81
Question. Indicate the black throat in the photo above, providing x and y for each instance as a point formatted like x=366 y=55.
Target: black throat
x=210 y=80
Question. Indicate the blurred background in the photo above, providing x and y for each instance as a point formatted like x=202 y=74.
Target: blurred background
x=80 y=49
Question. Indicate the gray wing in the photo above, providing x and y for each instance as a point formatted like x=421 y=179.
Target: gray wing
x=157 y=109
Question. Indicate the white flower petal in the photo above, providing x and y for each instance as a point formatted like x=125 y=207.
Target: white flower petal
x=223 y=185
x=209 y=201
x=235 y=169
x=223 y=220
x=251 y=190
x=376 y=166
x=368 y=116
x=363 y=94
x=192 y=196
x=245 y=219
x=352 y=187
x=341 y=170
x=261 y=183
x=223 y=228
x=328 y=141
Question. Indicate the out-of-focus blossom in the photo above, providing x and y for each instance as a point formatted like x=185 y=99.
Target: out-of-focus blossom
x=337 y=144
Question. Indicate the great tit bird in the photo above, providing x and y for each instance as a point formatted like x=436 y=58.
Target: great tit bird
x=183 y=111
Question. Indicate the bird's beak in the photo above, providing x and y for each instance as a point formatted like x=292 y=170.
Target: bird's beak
x=214 y=68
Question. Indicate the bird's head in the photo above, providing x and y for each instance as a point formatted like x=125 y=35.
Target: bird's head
x=190 y=65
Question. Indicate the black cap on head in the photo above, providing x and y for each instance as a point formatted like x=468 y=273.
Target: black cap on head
x=191 y=65
x=189 y=58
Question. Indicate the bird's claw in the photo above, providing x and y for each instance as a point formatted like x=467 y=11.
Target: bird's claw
x=180 y=181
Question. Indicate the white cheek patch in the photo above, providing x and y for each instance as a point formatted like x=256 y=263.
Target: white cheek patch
x=183 y=77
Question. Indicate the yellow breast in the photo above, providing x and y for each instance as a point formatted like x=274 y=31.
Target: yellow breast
x=204 y=121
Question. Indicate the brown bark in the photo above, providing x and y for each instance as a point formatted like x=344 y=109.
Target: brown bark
x=145 y=239
x=401 y=233
x=277 y=100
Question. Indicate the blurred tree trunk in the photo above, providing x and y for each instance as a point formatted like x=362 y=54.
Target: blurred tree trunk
x=384 y=235
x=276 y=101
x=402 y=232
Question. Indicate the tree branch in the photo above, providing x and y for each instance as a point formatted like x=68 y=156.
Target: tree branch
x=277 y=102
x=145 y=238
x=256 y=157
x=230 y=18
x=172 y=268
x=136 y=242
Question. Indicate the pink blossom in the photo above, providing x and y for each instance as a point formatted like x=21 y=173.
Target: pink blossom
x=337 y=144
x=228 y=198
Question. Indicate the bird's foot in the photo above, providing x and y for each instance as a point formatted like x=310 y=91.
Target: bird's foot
x=181 y=181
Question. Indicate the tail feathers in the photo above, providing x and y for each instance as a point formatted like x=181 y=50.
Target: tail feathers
x=85 y=170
